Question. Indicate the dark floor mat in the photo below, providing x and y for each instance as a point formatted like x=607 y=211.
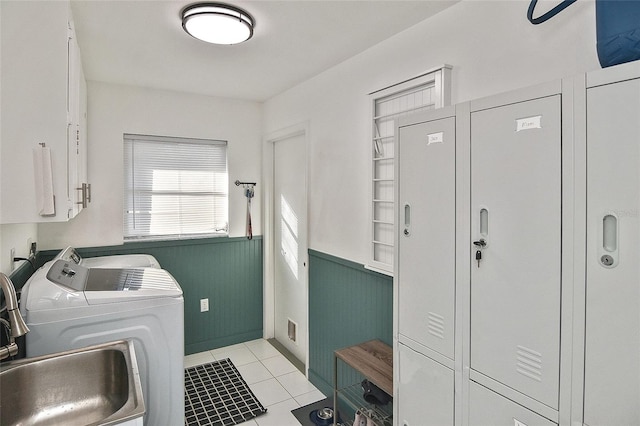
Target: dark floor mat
x=217 y=395
x=302 y=414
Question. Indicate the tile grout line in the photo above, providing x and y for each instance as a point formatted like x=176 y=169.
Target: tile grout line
x=292 y=397
x=262 y=355
x=270 y=373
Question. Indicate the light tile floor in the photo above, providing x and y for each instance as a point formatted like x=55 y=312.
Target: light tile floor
x=277 y=383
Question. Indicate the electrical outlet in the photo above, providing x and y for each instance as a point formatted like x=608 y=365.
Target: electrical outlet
x=11 y=262
x=204 y=305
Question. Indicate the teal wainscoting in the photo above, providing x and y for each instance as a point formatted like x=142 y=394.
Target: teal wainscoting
x=18 y=278
x=227 y=271
x=348 y=304
x=22 y=273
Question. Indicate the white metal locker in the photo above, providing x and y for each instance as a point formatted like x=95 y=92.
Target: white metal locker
x=425 y=391
x=516 y=210
x=612 y=346
x=487 y=408
x=426 y=204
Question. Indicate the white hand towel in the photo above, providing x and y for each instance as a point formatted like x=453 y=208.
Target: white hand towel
x=45 y=203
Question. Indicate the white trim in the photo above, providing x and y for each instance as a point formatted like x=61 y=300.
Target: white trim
x=300 y=129
x=379 y=270
x=403 y=84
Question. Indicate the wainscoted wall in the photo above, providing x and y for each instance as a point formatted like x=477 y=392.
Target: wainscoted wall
x=18 y=278
x=348 y=304
x=22 y=273
x=227 y=271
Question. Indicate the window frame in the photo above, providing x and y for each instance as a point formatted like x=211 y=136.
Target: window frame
x=131 y=138
x=440 y=80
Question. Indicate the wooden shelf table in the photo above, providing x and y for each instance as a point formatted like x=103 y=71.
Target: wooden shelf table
x=372 y=359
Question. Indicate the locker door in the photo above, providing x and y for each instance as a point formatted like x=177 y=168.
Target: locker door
x=426 y=205
x=487 y=408
x=612 y=347
x=515 y=201
x=425 y=391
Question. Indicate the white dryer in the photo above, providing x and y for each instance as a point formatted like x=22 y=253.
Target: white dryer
x=117 y=261
x=67 y=305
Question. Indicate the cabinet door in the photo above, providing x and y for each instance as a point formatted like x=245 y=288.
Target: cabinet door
x=425 y=391
x=487 y=408
x=612 y=352
x=426 y=264
x=39 y=101
x=515 y=291
x=76 y=129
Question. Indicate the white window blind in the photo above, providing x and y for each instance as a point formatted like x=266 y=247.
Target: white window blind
x=422 y=93
x=174 y=187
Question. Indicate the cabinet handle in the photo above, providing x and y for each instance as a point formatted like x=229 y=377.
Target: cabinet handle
x=608 y=250
x=86 y=195
x=610 y=233
x=484 y=222
x=407 y=219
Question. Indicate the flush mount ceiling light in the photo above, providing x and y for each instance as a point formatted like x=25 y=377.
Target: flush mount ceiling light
x=217 y=23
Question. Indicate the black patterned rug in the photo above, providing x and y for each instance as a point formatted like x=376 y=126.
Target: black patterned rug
x=216 y=394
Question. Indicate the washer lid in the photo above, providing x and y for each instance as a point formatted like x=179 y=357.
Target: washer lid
x=121 y=261
x=109 y=285
x=118 y=285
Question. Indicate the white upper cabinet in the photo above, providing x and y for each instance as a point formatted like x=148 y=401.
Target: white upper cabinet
x=43 y=101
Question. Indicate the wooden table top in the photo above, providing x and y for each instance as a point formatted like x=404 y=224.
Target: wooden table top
x=374 y=360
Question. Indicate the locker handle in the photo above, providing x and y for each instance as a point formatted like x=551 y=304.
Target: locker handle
x=484 y=222
x=407 y=218
x=610 y=233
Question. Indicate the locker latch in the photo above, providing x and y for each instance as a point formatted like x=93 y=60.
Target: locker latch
x=480 y=244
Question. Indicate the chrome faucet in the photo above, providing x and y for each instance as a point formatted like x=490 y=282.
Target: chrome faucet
x=17 y=327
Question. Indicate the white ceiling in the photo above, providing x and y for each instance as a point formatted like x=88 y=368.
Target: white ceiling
x=142 y=43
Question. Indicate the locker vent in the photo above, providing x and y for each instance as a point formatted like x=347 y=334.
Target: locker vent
x=435 y=325
x=529 y=363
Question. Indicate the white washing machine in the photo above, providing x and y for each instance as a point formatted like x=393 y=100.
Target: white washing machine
x=118 y=261
x=67 y=305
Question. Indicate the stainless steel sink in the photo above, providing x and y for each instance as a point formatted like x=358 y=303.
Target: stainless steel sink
x=96 y=385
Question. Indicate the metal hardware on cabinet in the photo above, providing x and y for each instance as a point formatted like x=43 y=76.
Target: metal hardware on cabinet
x=86 y=194
x=407 y=219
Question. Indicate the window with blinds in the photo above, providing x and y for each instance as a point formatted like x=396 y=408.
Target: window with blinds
x=174 y=187
x=427 y=91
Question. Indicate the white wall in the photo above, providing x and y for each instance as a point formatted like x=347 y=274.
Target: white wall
x=492 y=48
x=18 y=237
x=490 y=44
x=114 y=110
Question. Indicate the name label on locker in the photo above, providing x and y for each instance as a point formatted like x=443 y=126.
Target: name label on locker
x=529 y=123
x=435 y=138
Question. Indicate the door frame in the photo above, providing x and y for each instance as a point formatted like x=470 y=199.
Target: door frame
x=268 y=163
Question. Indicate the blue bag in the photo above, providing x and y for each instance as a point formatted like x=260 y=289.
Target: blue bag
x=550 y=14
x=617 y=28
x=618 y=31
